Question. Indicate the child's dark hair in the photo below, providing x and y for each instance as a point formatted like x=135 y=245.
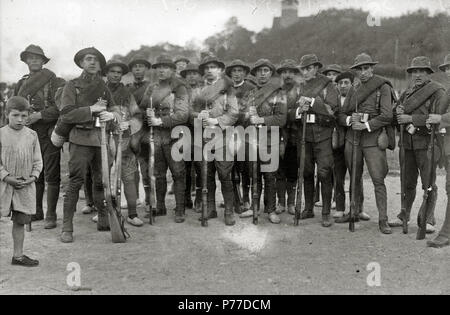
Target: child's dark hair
x=18 y=103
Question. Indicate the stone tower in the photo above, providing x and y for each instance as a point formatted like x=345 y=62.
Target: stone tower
x=289 y=14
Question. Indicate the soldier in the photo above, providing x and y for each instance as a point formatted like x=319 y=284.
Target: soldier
x=332 y=71
x=369 y=111
x=443 y=239
x=169 y=102
x=445 y=67
x=424 y=97
x=39 y=88
x=267 y=107
x=345 y=86
x=138 y=67
x=217 y=107
x=3 y=101
x=238 y=70
x=130 y=125
x=288 y=170
x=84 y=99
x=181 y=63
x=192 y=77
x=319 y=111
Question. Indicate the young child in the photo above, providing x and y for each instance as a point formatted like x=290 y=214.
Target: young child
x=20 y=166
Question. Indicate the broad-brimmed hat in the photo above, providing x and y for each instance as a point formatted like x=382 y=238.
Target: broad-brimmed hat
x=210 y=59
x=262 y=63
x=35 y=50
x=332 y=67
x=90 y=51
x=445 y=64
x=181 y=58
x=164 y=60
x=139 y=59
x=308 y=60
x=345 y=75
x=236 y=63
x=117 y=63
x=420 y=62
x=192 y=67
x=288 y=64
x=363 y=59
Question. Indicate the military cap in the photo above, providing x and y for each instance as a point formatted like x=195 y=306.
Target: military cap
x=190 y=67
x=308 y=60
x=345 y=75
x=363 y=59
x=210 y=59
x=139 y=59
x=90 y=51
x=114 y=63
x=445 y=64
x=288 y=64
x=181 y=58
x=35 y=50
x=236 y=63
x=420 y=62
x=262 y=63
x=164 y=60
x=333 y=67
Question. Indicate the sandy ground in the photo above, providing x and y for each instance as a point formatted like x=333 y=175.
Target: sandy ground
x=170 y=258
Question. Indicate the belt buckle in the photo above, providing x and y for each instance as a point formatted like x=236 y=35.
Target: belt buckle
x=311 y=119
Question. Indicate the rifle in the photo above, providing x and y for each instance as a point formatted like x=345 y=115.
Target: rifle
x=116 y=221
x=353 y=214
x=317 y=189
x=429 y=195
x=204 y=174
x=254 y=185
x=151 y=165
x=236 y=186
x=403 y=215
x=301 y=171
x=118 y=182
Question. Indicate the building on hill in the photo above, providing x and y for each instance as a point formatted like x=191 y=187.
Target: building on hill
x=289 y=15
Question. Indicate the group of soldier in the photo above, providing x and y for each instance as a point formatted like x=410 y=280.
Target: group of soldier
x=349 y=117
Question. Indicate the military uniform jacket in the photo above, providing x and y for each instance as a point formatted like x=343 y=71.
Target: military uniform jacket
x=324 y=108
x=445 y=123
x=241 y=91
x=290 y=131
x=170 y=101
x=380 y=115
x=270 y=103
x=40 y=89
x=78 y=95
x=419 y=102
x=129 y=110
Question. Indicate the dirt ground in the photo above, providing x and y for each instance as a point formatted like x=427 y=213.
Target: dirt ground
x=171 y=258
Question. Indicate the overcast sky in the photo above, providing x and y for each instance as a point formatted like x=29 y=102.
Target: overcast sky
x=62 y=27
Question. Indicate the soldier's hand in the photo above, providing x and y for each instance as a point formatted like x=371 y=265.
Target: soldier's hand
x=99 y=107
x=150 y=113
x=255 y=120
x=124 y=125
x=155 y=122
x=303 y=108
x=252 y=111
x=356 y=118
x=359 y=126
x=404 y=119
x=434 y=119
x=34 y=118
x=400 y=110
x=106 y=116
x=204 y=114
x=211 y=122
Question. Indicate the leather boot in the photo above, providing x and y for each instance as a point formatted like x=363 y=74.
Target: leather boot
x=52 y=201
x=439 y=242
x=290 y=189
x=228 y=196
x=40 y=188
x=384 y=227
x=198 y=200
x=281 y=194
x=103 y=223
